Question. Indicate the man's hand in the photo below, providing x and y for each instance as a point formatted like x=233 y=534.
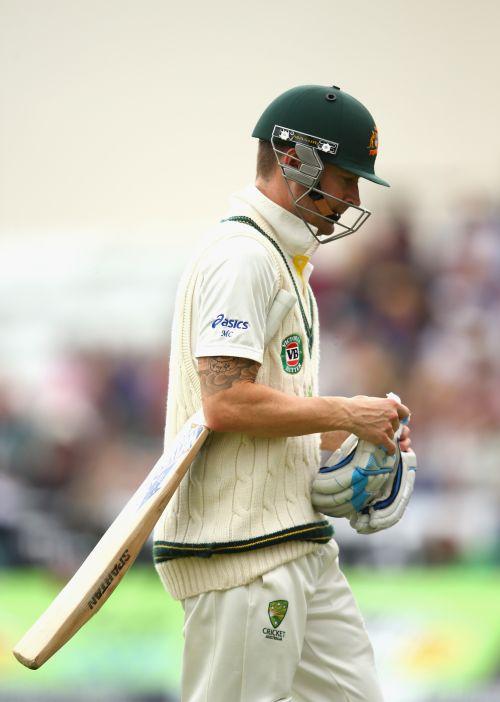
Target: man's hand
x=332 y=440
x=375 y=419
x=405 y=441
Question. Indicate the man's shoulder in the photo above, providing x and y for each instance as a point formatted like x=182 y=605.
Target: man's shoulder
x=236 y=246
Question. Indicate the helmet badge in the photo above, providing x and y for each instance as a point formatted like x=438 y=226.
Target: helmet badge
x=373 y=143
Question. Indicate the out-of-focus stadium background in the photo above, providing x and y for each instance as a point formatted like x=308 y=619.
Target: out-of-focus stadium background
x=123 y=128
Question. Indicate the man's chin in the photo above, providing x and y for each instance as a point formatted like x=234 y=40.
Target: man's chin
x=326 y=228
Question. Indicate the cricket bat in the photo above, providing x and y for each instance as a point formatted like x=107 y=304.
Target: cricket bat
x=104 y=568
x=106 y=565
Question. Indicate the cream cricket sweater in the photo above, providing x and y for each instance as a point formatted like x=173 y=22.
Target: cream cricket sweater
x=244 y=507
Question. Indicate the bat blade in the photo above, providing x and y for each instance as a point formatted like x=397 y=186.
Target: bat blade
x=106 y=565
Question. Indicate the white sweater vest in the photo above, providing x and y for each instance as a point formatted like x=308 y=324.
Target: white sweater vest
x=245 y=505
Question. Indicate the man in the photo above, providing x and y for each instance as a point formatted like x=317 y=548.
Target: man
x=268 y=614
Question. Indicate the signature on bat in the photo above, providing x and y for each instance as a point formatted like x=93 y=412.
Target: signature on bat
x=183 y=443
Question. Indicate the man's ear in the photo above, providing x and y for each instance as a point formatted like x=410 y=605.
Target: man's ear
x=291 y=159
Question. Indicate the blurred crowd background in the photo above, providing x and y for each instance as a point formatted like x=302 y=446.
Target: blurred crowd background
x=394 y=317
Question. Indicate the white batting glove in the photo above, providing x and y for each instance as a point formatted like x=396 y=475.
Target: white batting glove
x=390 y=506
x=354 y=476
x=388 y=509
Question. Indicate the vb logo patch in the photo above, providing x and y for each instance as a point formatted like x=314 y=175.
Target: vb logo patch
x=292 y=353
x=276 y=611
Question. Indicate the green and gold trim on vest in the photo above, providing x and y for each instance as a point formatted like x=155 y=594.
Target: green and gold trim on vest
x=320 y=532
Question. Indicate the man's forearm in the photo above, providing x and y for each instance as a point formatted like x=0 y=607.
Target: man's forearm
x=234 y=402
x=259 y=410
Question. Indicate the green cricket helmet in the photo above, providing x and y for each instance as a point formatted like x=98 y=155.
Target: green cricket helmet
x=324 y=125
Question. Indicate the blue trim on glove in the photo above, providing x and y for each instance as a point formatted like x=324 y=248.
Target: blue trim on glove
x=359 y=495
x=343 y=462
x=395 y=487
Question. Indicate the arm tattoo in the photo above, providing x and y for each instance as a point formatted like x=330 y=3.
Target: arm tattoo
x=220 y=372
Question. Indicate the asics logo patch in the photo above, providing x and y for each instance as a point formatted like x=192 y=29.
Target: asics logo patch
x=231 y=323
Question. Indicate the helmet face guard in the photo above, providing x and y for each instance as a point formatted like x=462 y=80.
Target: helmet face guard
x=309 y=174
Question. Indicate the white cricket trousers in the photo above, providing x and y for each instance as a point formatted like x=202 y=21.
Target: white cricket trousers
x=317 y=652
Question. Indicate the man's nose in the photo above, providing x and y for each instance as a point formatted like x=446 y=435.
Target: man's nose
x=352 y=196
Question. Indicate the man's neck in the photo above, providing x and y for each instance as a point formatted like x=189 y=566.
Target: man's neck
x=276 y=194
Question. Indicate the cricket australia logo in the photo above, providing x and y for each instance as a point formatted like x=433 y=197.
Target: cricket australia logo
x=292 y=354
x=276 y=612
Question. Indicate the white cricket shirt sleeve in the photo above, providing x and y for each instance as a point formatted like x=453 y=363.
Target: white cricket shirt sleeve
x=235 y=289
